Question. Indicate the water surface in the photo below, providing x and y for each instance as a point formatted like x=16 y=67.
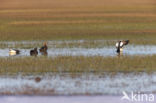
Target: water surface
x=79 y=84
x=105 y=51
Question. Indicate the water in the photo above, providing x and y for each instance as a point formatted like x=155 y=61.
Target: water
x=105 y=51
x=79 y=84
x=66 y=99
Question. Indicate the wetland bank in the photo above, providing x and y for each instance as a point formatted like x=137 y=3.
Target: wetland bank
x=81 y=37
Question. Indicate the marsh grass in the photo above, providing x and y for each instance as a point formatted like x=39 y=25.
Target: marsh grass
x=70 y=43
x=62 y=20
x=77 y=64
x=59 y=44
x=19 y=45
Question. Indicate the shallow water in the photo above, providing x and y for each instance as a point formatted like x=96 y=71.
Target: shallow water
x=82 y=84
x=67 y=99
x=105 y=51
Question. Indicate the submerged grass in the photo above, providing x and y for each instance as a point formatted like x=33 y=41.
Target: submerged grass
x=77 y=64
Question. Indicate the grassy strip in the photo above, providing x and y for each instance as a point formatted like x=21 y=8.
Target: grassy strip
x=60 y=44
x=29 y=20
x=140 y=33
x=78 y=64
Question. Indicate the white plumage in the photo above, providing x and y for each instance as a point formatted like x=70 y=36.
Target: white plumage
x=14 y=51
x=120 y=44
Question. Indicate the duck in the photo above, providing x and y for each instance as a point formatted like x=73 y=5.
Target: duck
x=34 y=52
x=120 y=45
x=44 y=48
x=13 y=51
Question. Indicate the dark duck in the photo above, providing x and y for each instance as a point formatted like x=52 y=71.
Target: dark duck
x=43 y=49
x=34 y=52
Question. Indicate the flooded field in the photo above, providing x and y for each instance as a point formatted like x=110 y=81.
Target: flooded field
x=78 y=84
x=77 y=48
x=81 y=65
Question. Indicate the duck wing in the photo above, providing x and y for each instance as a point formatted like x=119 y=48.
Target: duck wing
x=125 y=42
x=117 y=44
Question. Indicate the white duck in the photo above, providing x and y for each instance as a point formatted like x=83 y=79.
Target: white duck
x=14 y=51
